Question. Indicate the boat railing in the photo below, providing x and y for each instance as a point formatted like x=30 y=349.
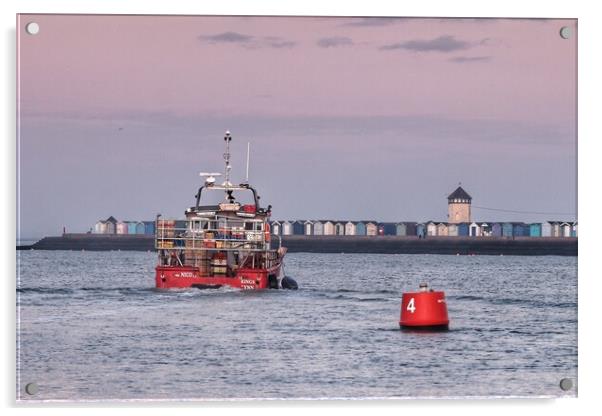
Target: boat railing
x=223 y=238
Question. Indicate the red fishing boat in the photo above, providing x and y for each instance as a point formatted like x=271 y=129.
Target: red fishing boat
x=227 y=243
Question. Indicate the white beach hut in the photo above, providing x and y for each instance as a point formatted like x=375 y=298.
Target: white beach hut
x=309 y=227
x=452 y=230
x=318 y=228
x=350 y=228
x=287 y=228
x=371 y=229
x=328 y=228
x=431 y=228
x=475 y=230
x=546 y=229
x=276 y=227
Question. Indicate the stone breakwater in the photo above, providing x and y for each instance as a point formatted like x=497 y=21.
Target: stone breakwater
x=536 y=246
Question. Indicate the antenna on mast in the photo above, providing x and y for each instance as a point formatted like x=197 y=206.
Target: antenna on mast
x=227 y=139
x=248 y=152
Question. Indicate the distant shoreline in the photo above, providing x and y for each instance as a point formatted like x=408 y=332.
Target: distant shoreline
x=524 y=246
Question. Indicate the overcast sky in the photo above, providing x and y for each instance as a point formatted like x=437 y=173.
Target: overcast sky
x=348 y=118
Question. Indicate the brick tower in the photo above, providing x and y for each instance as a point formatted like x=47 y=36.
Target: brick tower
x=458 y=205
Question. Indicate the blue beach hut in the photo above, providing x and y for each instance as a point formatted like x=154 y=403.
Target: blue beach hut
x=360 y=228
x=420 y=230
x=507 y=229
x=149 y=227
x=139 y=227
x=463 y=229
x=520 y=230
x=131 y=227
x=388 y=228
x=496 y=230
x=535 y=230
x=299 y=227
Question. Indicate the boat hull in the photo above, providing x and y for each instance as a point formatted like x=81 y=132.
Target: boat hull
x=168 y=277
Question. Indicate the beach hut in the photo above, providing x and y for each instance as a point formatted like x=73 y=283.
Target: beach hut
x=442 y=229
x=131 y=226
x=329 y=228
x=431 y=228
x=360 y=228
x=401 y=229
x=287 y=228
x=339 y=228
x=574 y=229
x=100 y=227
x=111 y=225
x=410 y=228
x=318 y=228
x=298 y=227
x=535 y=229
x=421 y=230
x=371 y=228
x=474 y=230
x=463 y=229
x=276 y=227
x=349 y=228
x=149 y=227
x=546 y=229
x=139 y=227
x=387 y=228
x=507 y=228
x=309 y=227
x=520 y=229
x=486 y=230
x=556 y=231
x=565 y=229
x=452 y=230
x=496 y=229
x=121 y=228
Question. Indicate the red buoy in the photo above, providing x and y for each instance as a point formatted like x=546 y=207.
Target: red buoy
x=425 y=309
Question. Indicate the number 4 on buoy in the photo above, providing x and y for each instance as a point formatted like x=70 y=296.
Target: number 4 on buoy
x=411 y=306
x=425 y=309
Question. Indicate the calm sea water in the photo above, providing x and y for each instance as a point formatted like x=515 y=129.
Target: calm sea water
x=91 y=327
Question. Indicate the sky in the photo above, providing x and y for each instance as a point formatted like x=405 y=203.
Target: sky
x=348 y=118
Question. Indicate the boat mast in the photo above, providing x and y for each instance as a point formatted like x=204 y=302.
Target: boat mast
x=227 y=139
x=248 y=151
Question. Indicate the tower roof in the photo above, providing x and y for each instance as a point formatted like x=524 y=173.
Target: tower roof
x=459 y=193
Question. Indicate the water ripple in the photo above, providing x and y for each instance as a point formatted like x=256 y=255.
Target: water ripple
x=87 y=334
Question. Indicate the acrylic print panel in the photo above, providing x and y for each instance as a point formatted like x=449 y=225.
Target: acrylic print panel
x=364 y=158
